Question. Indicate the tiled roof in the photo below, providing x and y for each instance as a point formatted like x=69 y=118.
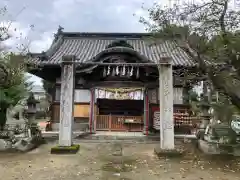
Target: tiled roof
x=87 y=47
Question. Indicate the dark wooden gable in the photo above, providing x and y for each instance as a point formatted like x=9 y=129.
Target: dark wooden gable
x=118 y=52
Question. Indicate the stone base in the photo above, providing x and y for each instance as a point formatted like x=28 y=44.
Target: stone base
x=5 y=145
x=21 y=145
x=171 y=153
x=65 y=149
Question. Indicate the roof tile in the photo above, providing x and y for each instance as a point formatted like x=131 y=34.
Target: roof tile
x=85 y=48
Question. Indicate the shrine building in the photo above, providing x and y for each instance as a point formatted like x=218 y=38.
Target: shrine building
x=115 y=80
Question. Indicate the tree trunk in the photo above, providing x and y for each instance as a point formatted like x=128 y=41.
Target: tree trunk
x=3 y=118
x=232 y=93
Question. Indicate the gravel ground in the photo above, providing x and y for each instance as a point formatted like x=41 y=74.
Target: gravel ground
x=95 y=161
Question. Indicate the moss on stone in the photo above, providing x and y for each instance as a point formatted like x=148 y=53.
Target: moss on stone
x=173 y=153
x=73 y=149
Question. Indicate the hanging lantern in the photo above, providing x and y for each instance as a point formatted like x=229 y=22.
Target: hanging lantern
x=108 y=71
x=137 y=73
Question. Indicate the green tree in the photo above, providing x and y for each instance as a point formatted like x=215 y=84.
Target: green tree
x=13 y=82
x=49 y=88
x=15 y=87
x=208 y=32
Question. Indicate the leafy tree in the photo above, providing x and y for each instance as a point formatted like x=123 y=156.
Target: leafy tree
x=14 y=86
x=49 y=88
x=208 y=32
x=43 y=104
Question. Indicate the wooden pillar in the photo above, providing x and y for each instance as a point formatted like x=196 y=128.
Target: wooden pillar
x=92 y=112
x=146 y=113
x=166 y=104
x=67 y=100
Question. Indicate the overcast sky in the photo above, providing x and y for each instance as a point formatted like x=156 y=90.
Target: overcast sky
x=73 y=15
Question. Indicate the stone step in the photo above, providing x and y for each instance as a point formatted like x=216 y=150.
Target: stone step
x=79 y=141
x=151 y=139
x=127 y=137
x=110 y=137
x=114 y=137
x=107 y=137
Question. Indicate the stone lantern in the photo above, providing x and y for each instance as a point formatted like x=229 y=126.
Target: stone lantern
x=31 y=108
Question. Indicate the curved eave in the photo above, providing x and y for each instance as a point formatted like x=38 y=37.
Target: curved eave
x=121 y=50
x=47 y=72
x=86 y=69
x=102 y=56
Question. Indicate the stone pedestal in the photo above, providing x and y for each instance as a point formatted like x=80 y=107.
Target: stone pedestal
x=166 y=105
x=67 y=101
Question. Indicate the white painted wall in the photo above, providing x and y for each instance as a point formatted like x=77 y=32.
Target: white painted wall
x=80 y=95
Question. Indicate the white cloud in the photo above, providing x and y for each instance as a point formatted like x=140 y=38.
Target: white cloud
x=43 y=43
x=21 y=35
x=120 y=8
x=39 y=15
x=18 y=32
x=73 y=15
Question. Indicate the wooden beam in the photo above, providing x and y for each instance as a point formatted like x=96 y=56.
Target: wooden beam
x=122 y=84
x=114 y=84
x=122 y=64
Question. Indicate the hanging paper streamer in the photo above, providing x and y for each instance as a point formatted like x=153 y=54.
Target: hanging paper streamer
x=137 y=73
x=124 y=71
x=121 y=71
x=108 y=72
x=117 y=70
x=131 y=72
